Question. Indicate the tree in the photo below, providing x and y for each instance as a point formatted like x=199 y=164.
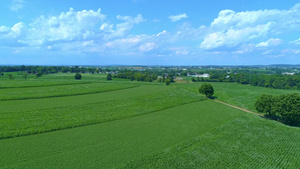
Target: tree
x=206 y=89
x=25 y=75
x=264 y=104
x=168 y=82
x=39 y=74
x=285 y=108
x=10 y=76
x=78 y=76
x=109 y=77
x=97 y=71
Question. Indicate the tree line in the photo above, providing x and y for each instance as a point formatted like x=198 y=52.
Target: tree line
x=283 y=108
x=51 y=69
x=277 y=81
x=146 y=76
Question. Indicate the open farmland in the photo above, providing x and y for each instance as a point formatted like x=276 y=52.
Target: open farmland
x=123 y=124
x=245 y=142
x=237 y=94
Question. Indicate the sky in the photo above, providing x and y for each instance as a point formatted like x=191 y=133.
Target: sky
x=149 y=32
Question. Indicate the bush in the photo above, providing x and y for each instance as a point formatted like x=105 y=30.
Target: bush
x=168 y=82
x=78 y=76
x=109 y=77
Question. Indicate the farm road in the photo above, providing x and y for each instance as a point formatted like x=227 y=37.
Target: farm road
x=245 y=110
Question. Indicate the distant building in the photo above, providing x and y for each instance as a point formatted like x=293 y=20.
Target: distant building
x=286 y=73
x=205 y=75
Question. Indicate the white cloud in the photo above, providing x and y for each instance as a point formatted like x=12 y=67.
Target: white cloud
x=175 y=18
x=161 y=33
x=147 y=47
x=233 y=37
x=4 y=29
x=17 y=5
x=121 y=29
x=232 y=28
x=297 y=42
x=270 y=42
x=65 y=27
x=182 y=52
x=268 y=52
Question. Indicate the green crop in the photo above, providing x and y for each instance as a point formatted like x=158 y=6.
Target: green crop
x=108 y=145
x=245 y=142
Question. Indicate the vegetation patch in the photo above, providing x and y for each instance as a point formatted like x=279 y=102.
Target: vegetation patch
x=246 y=142
x=37 y=121
x=59 y=91
x=108 y=145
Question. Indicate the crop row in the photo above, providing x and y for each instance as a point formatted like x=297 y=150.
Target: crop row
x=247 y=142
x=58 y=91
x=19 y=123
x=108 y=145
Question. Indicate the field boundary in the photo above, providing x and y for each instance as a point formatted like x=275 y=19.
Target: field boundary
x=236 y=107
x=33 y=86
x=66 y=95
x=95 y=122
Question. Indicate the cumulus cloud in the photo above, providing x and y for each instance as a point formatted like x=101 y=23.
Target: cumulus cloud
x=121 y=29
x=17 y=5
x=71 y=25
x=270 y=42
x=232 y=28
x=233 y=37
x=175 y=18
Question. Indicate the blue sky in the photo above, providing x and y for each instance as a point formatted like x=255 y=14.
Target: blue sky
x=149 y=32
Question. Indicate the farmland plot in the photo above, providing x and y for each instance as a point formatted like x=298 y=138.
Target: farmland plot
x=110 y=144
x=245 y=142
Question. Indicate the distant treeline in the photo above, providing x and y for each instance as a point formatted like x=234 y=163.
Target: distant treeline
x=135 y=75
x=277 y=81
x=50 y=69
x=146 y=76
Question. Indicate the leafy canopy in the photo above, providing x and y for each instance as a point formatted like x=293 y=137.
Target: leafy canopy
x=206 y=89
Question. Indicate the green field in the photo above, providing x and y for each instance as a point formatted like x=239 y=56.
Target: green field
x=237 y=94
x=55 y=121
x=245 y=142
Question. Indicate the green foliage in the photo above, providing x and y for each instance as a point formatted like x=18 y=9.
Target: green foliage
x=206 y=89
x=10 y=76
x=264 y=104
x=139 y=76
x=239 y=95
x=286 y=107
x=77 y=76
x=25 y=75
x=168 y=82
x=109 y=77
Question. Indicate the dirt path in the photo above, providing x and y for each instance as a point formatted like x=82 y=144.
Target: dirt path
x=245 y=110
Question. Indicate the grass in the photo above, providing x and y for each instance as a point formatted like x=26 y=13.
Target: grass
x=245 y=142
x=237 y=94
x=58 y=91
x=18 y=123
x=108 y=145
